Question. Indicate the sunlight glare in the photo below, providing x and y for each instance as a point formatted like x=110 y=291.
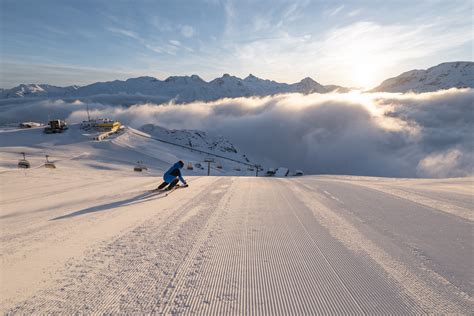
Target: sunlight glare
x=363 y=59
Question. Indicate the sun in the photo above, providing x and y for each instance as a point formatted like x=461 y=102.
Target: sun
x=364 y=74
x=363 y=59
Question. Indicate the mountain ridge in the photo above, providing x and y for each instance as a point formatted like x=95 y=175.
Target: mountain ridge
x=179 y=88
x=459 y=74
x=447 y=75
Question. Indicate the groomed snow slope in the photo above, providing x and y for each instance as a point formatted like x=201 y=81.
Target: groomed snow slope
x=88 y=240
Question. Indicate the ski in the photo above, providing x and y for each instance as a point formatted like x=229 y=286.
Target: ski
x=176 y=187
x=166 y=191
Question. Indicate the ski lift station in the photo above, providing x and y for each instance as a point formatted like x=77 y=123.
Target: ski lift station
x=101 y=124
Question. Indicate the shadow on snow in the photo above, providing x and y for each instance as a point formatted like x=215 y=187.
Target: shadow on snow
x=98 y=208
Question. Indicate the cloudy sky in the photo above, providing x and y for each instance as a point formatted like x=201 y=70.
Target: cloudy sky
x=351 y=43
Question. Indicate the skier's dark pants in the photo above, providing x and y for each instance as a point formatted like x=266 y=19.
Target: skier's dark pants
x=171 y=185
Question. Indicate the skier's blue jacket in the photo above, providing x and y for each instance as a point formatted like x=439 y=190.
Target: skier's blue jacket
x=173 y=172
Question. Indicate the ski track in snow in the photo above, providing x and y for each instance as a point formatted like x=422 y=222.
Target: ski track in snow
x=415 y=279
x=231 y=246
x=458 y=204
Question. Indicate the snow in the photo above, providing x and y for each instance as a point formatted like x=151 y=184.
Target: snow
x=442 y=76
x=122 y=151
x=195 y=139
x=30 y=90
x=178 y=88
x=88 y=237
x=193 y=88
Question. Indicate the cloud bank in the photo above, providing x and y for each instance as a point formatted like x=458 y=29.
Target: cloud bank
x=375 y=134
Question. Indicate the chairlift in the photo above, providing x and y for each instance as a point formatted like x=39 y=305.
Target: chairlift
x=218 y=165
x=237 y=168
x=49 y=164
x=190 y=166
x=140 y=167
x=23 y=163
x=270 y=172
x=298 y=173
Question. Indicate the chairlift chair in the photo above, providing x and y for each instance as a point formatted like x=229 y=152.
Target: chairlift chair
x=298 y=173
x=190 y=166
x=49 y=164
x=270 y=172
x=140 y=167
x=23 y=163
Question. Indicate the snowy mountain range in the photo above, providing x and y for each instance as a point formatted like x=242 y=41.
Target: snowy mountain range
x=443 y=76
x=193 y=88
x=36 y=90
x=179 y=88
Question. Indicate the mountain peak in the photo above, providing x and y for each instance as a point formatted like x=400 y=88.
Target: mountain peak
x=196 y=78
x=308 y=80
x=251 y=77
x=458 y=74
x=308 y=85
x=142 y=79
x=184 y=79
x=226 y=78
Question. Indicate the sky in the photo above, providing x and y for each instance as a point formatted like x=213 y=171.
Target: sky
x=349 y=43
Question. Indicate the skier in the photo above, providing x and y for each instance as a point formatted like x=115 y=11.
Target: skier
x=171 y=177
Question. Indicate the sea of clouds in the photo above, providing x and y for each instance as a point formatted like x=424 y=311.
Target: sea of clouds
x=373 y=134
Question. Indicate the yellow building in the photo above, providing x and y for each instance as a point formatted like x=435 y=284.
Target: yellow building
x=101 y=124
x=108 y=125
